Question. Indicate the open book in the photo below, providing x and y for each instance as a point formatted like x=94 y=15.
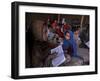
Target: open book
x=60 y=58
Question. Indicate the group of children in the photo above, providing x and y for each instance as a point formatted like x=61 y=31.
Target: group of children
x=66 y=39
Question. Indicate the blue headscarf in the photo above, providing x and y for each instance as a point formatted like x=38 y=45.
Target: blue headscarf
x=70 y=43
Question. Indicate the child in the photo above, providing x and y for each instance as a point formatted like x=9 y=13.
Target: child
x=70 y=42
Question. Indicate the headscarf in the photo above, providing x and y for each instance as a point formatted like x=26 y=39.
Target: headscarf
x=71 y=42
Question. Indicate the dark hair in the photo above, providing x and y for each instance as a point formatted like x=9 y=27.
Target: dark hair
x=75 y=28
x=66 y=32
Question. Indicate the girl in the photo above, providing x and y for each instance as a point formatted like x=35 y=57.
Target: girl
x=70 y=42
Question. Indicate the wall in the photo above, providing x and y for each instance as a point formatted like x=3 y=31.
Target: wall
x=5 y=40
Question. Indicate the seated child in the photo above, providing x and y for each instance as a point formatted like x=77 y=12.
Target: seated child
x=70 y=42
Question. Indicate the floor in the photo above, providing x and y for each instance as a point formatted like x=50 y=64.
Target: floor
x=84 y=53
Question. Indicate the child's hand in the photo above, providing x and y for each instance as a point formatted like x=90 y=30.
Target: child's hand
x=53 y=55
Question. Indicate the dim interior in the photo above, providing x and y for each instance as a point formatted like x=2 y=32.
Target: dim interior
x=55 y=40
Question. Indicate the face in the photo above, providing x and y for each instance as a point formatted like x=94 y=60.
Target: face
x=77 y=31
x=67 y=36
